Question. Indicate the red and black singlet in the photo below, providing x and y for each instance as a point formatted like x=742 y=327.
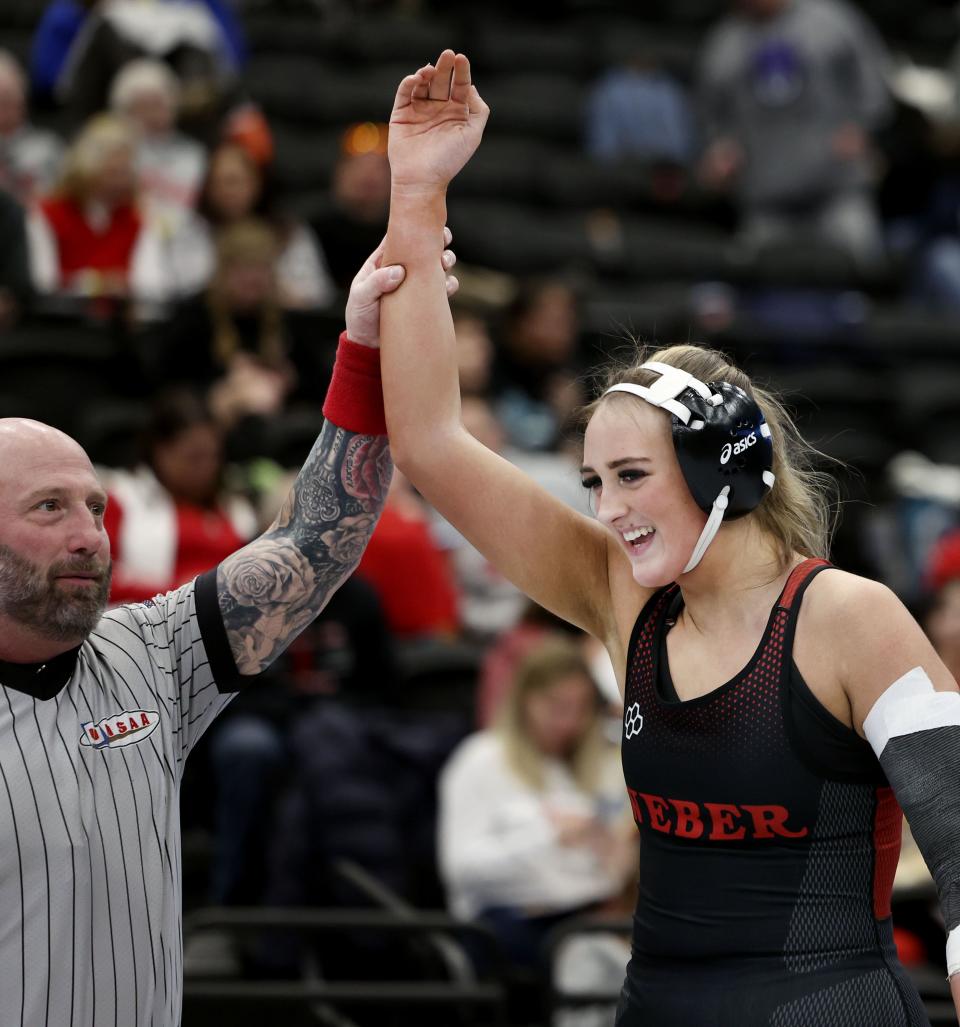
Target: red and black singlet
x=769 y=842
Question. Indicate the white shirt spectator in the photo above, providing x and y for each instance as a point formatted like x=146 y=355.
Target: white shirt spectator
x=497 y=844
x=170 y=171
x=170 y=166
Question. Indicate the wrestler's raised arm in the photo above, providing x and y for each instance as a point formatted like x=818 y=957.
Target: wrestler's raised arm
x=564 y=560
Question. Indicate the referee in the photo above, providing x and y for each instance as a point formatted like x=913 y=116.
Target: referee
x=98 y=711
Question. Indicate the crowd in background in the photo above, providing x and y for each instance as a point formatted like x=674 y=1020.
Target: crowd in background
x=140 y=203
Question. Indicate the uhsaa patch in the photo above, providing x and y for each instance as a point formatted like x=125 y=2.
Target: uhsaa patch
x=120 y=729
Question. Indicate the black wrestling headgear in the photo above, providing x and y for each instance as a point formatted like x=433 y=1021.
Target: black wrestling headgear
x=722 y=443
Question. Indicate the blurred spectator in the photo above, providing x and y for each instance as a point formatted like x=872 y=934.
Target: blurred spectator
x=937 y=274
x=237 y=188
x=58 y=28
x=231 y=339
x=534 y=825
x=90 y=236
x=247 y=127
x=638 y=111
x=15 y=286
x=917 y=541
x=169 y=164
x=503 y=657
x=535 y=384
x=29 y=157
x=935 y=264
x=355 y=219
x=408 y=570
x=79 y=47
x=943 y=562
x=346 y=654
x=790 y=91
x=172 y=517
x=362 y=788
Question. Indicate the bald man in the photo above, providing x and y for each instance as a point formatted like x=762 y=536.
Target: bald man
x=98 y=710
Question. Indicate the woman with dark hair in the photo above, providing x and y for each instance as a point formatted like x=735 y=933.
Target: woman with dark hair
x=171 y=518
x=237 y=188
x=535 y=371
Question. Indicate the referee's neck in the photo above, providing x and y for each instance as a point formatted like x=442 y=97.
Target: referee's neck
x=21 y=644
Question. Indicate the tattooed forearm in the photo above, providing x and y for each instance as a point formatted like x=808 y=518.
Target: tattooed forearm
x=271 y=589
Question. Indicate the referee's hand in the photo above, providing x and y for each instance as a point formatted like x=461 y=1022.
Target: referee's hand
x=372 y=281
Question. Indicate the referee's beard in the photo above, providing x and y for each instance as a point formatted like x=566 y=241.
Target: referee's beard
x=35 y=598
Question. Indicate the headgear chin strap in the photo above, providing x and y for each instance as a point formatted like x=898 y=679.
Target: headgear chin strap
x=722 y=442
x=714 y=520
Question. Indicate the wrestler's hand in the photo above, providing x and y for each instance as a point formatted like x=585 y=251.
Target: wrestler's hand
x=436 y=124
x=373 y=281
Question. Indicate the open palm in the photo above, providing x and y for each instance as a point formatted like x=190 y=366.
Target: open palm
x=436 y=124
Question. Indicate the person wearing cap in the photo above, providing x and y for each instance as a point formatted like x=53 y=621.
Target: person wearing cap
x=778 y=711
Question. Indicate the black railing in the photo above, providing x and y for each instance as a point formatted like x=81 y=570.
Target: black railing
x=462 y=992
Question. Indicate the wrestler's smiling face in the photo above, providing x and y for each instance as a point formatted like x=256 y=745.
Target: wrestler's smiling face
x=637 y=489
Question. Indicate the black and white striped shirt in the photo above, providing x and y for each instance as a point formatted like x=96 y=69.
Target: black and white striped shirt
x=92 y=748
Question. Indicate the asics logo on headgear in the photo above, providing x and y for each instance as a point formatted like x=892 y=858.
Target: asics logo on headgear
x=632 y=721
x=736 y=448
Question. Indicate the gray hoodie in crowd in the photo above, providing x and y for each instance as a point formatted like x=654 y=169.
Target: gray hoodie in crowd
x=782 y=86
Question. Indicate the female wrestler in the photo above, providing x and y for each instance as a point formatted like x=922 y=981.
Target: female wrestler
x=775 y=710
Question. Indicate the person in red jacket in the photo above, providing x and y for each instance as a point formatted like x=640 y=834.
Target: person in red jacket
x=170 y=518
x=85 y=234
x=408 y=570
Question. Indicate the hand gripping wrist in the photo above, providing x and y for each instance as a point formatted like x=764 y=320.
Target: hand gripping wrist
x=355 y=396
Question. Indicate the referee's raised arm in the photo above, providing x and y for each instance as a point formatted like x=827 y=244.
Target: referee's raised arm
x=270 y=590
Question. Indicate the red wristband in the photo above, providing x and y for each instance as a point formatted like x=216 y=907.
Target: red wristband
x=355 y=396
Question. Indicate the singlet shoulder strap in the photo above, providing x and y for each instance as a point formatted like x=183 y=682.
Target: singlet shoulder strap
x=652 y=611
x=799 y=578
